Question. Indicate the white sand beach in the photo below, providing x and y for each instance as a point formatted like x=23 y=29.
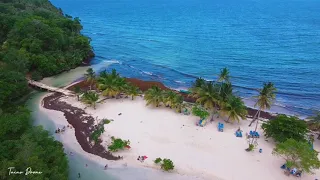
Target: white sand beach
x=203 y=152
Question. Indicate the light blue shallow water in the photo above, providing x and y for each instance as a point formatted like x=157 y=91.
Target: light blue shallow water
x=174 y=41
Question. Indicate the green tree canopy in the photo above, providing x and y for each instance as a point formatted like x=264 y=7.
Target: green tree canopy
x=298 y=154
x=283 y=127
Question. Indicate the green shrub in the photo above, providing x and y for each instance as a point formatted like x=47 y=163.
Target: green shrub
x=158 y=160
x=106 y=121
x=97 y=133
x=118 y=144
x=251 y=147
x=167 y=165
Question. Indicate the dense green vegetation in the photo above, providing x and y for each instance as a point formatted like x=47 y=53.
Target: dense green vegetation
x=36 y=40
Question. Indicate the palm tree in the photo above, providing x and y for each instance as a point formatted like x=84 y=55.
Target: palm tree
x=90 y=97
x=234 y=109
x=178 y=103
x=103 y=74
x=90 y=76
x=224 y=75
x=154 y=96
x=132 y=91
x=196 y=86
x=169 y=98
x=77 y=90
x=111 y=84
x=265 y=99
x=208 y=96
x=224 y=93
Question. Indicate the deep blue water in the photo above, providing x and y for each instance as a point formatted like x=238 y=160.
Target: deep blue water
x=175 y=41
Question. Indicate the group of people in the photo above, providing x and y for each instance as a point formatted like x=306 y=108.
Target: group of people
x=142 y=158
x=292 y=171
x=63 y=129
x=60 y=130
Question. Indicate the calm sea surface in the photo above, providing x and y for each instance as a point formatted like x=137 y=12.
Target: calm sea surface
x=175 y=41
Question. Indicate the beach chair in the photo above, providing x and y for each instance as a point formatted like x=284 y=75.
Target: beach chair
x=238 y=134
x=220 y=127
x=199 y=123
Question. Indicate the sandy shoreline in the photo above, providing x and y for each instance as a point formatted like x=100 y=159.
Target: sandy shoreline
x=160 y=132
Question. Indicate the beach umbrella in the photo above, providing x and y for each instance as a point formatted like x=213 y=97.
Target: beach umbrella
x=145 y=157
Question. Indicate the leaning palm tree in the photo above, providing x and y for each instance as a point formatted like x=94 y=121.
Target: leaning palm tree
x=264 y=99
x=132 y=91
x=90 y=97
x=234 y=109
x=154 y=96
x=196 y=86
x=208 y=96
x=90 y=76
x=169 y=98
x=224 y=75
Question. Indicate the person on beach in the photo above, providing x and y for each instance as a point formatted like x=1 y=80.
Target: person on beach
x=86 y=165
x=71 y=154
x=139 y=158
x=106 y=167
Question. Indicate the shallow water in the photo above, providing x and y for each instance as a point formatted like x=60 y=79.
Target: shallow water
x=175 y=41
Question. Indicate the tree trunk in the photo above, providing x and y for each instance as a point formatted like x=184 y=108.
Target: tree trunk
x=255 y=129
x=94 y=105
x=78 y=97
x=212 y=116
x=227 y=121
x=318 y=136
x=131 y=97
x=254 y=117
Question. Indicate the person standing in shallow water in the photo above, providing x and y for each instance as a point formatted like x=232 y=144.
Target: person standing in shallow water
x=79 y=176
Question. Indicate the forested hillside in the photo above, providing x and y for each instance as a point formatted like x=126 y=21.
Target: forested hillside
x=36 y=40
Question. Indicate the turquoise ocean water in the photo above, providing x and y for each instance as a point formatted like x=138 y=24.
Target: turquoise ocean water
x=175 y=41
